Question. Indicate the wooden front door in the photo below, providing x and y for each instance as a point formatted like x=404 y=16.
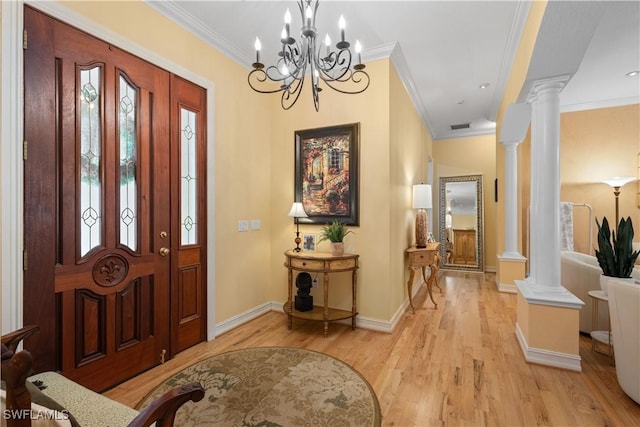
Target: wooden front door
x=99 y=209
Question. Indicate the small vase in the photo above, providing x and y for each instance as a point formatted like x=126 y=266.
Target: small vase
x=604 y=281
x=337 y=248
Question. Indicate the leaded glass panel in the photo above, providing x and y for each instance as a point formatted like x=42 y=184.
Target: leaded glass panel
x=127 y=99
x=188 y=177
x=90 y=158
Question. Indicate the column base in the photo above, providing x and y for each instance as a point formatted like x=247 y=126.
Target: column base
x=511 y=267
x=547 y=326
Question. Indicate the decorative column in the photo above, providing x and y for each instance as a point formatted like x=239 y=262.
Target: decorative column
x=547 y=324
x=511 y=263
x=544 y=214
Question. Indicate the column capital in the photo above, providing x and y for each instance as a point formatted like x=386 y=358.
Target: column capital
x=555 y=84
x=510 y=144
x=515 y=124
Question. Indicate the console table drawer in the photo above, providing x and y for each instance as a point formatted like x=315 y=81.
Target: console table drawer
x=306 y=264
x=420 y=259
x=343 y=264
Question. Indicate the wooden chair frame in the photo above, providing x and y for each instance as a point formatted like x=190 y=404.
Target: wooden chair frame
x=17 y=366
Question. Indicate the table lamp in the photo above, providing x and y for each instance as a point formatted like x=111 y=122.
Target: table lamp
x=422 y=202
x=297 y=211
x=618 y=182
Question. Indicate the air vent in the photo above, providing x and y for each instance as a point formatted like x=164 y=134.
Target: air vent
x=461 y=126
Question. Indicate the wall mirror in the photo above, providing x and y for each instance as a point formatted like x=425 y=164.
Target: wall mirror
x=461 y=220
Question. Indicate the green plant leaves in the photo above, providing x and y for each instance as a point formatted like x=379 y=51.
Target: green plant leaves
x=616 y=256
x=334 y=232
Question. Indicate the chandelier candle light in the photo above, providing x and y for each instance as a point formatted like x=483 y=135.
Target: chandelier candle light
x=297 y=57
x=297 y=211
x=422 y=202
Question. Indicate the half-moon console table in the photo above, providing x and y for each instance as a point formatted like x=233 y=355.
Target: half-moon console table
x=321 y=262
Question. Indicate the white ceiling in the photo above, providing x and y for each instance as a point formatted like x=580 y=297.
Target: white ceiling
x=444 y=50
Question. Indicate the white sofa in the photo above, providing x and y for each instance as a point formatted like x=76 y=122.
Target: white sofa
x=580 y=273
x=624 y=306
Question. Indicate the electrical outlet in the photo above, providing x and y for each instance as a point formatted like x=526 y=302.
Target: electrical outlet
x=314 y=283
x=243 y=225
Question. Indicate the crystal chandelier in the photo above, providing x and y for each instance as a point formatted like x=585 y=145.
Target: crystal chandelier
x=297 y=57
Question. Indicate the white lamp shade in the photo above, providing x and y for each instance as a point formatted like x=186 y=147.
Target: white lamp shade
x=422 y=196
x=297 y=210
x=619 y=181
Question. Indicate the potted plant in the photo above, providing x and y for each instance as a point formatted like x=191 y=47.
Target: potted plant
x=615 y=252
x=335 y=233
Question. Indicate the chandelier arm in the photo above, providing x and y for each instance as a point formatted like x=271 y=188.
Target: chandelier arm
x=357 y=77
x=326 y=64
x=290 y=97
x=260 y=76
x=339 y=66
x=293 y=58
x=311 y=47
x=274 y=74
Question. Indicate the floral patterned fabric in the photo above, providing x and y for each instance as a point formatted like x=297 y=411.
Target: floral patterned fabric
x=275 y=386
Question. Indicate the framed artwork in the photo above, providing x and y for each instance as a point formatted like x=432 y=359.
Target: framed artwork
x=309 y=242
x=326 y=173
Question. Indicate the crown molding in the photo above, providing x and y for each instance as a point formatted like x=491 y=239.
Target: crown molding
x=175 y=13
x=595 y=105
x=510 y=51
x=379 y=52
x=398 y=60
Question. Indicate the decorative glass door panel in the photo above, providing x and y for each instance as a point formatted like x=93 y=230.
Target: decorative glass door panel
x=128 y=133
x=90 y=106
x=188 y=177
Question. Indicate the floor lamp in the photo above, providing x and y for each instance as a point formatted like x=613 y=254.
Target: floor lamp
x=617 y=183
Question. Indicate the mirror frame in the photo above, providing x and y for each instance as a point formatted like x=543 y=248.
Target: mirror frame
x=479 y=222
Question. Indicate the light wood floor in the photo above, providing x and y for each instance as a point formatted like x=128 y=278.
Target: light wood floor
x=459 y=365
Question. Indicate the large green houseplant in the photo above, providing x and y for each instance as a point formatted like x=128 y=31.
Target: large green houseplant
x=335 y=233
x=615 y=252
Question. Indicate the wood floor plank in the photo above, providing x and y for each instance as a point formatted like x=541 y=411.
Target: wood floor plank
x=457 y=365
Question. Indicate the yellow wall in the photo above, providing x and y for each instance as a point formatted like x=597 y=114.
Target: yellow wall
x=370 y=109
x=596 y=145
x=410 y=148
x=472 y=156
x=392 y=157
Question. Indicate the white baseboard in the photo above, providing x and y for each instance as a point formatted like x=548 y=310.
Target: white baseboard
x=361 y=322
x=242 y=318
x=503 y=287
x=490 y=269
x=546 y=357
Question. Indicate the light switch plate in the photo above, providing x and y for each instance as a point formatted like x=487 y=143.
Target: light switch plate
x=243 y=225
x=255 y=224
